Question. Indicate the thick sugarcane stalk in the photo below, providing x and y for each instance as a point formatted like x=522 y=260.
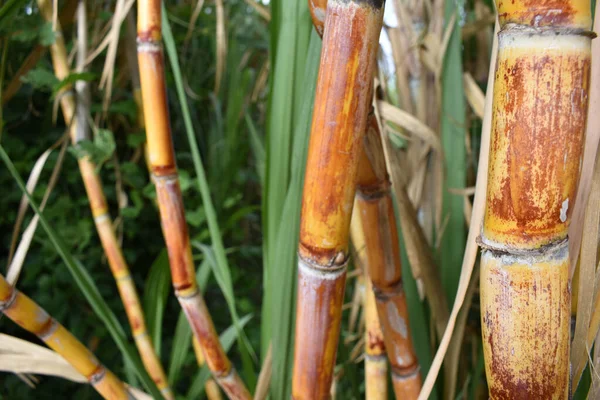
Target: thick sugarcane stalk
x=375 y=207
x=376 y=364
x=31 y=317
x=164 y=174
x=102 y=218
x=350 y=43
x=539 y=119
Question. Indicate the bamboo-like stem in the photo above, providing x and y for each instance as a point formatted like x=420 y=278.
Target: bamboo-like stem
x=31 y=317
x=376 y=210
x=376 y=364
x=102 y=218
x=539 y=119
x=350 y=43
x=164 y=173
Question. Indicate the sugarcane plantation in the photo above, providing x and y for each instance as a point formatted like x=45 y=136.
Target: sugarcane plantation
x=307 y=200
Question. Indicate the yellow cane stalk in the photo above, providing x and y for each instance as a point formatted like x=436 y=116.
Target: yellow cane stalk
x=31 y=317
x=539 y=118
x=376 y=363
x=102 y=218
x=161 y=157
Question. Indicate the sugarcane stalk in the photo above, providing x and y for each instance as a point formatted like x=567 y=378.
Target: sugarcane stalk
x=211 y=388
x=31 y=317
x=539 y=118
x=376 y=364
x=375 y=207
x=102 y=219
x=350 y=43
x=380 y=236
x=161 y=157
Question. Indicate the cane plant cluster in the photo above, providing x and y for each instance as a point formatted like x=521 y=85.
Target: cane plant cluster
x=323 y=199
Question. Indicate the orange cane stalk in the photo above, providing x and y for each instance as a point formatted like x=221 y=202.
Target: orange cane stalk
x=31 y=317
x=539 y=118
x=102 y=218
x=211 y=389
x=375 y=207
x=350 y=43
x=164 y=173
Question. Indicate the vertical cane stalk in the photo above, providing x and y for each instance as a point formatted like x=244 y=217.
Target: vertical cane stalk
x=375 y=207
x=164 y=173
x=102 y=218
x=376 y=364
x=31 y=317
x=539 y=119
x=350 y=43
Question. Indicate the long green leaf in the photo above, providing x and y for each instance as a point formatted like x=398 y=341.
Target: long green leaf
x=246 y=351
x=281 y=286
x=87 y=286
x=223 y=280
x=453 y=142
x=157 y=289
x=417 y=313
x=258 y=148
x=287 y=62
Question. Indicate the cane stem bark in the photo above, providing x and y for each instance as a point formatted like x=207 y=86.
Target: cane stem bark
x=376 y=363
x=350 y=43
x=31 y=317
x=161 y=156
x=539 y=115
x=376 y=210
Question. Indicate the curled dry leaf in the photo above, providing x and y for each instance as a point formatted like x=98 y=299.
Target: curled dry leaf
x=21 y=356
x=410 y=123
x=474 y=94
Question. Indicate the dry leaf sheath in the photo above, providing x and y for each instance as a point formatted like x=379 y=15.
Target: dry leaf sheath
x=30 y=316
x=350 y=43
x=164 y=173
x=539 y=119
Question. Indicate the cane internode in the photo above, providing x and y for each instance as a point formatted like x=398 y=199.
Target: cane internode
x=539 y=117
